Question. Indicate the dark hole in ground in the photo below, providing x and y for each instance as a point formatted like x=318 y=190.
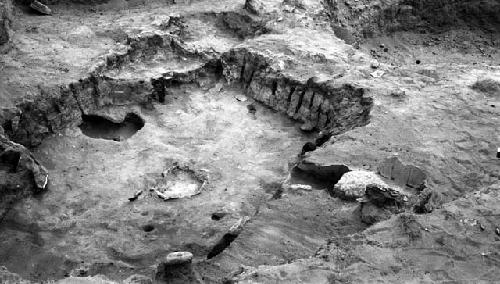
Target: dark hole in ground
x=221 y=245
x=9 y=160
x=218 y=216
x=99 y=127
x=148 y=228
x=324 y=177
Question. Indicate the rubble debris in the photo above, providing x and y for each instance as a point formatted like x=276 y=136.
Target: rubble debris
x=41 y=8
x=135 y=196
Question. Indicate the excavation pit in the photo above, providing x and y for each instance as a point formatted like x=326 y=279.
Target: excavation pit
x=202 y=145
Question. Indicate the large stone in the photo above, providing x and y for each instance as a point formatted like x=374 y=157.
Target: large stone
x=41 y=8
x=353 y=184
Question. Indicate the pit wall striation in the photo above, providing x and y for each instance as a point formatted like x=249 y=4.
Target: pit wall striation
x=319 y=105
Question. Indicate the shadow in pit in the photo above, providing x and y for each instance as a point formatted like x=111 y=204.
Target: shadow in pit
x=95 y=126
x=324 y=177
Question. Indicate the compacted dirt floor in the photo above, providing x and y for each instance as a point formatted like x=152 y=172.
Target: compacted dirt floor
x=276 y=141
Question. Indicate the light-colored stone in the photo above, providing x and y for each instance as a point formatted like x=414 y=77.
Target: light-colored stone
x=179 y=257
x=353 y=184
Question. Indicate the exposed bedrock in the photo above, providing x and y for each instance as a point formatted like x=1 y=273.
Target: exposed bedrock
x=319 y=105
x=369 y=18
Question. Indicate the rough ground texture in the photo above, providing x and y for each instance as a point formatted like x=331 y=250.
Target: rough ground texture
x=274 y=141
x=5 y=21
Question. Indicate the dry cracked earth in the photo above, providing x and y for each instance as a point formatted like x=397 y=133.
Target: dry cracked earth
x=258 y=141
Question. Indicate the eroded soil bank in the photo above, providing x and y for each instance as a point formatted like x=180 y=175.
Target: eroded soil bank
x=249 y=142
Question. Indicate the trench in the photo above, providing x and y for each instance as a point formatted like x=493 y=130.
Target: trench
x=92 y=211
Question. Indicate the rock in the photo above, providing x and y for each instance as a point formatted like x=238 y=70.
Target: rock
x=352 y=185
x=238 y=226
x=374 y=64
x=307 y=127
x=41 y=8
x=300 y=187
x=135 y=196
x=171 y=22
x=176 y=268
x=260 y=7
x=180 y=257
x=383 y=195
x=377 y=74
x=5 y=20
x=20 y=174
